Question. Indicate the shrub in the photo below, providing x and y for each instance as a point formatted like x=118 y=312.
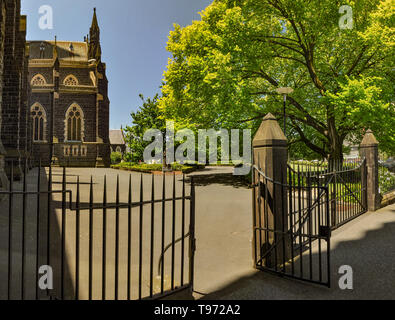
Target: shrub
x=128 y=157
x=386 y=180
x=116 y=157
x=148 y=168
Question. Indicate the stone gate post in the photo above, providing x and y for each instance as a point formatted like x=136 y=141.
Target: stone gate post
x=369 y=150
x=270 y=155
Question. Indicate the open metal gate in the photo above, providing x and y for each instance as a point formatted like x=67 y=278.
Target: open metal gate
x=291 y=228
x=294 y=217
x=99 y=245
x=347 y=185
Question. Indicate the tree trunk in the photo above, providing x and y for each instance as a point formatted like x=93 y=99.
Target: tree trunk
x=336 y=153
x=336 y=141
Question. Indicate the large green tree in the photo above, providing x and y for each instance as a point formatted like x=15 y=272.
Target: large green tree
x=225 y=68
x=148 y=116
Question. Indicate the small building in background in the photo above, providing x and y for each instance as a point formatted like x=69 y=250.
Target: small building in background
x=117 y=141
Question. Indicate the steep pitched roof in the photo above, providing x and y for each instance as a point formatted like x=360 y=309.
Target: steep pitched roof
x=95 y=24
x=116 y=137
x=79 y=50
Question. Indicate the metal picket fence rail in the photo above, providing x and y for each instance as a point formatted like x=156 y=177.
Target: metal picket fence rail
x=295 y=241
x=97 y=250
x=293 y=216
x=346 y=183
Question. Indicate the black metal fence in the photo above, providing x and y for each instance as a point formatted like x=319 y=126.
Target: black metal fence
x=346 y=183
x=291 y=228
x=101 y=238
x=294 y=216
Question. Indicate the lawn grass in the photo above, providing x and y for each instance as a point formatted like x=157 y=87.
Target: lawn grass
x=149 y=168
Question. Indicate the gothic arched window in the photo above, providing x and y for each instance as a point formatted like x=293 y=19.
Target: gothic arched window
x=39 y=120
x=70 y=81
x=74 y=123
x=38 y=80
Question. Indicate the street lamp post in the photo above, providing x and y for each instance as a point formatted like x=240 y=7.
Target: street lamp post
x=285 y=91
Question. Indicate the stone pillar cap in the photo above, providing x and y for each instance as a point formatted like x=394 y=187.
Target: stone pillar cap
x=269 y=133
x=369 y=139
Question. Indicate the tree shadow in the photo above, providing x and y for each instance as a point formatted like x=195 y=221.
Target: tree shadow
x=32 y=244
x=226 y=179
x=371 y=257
x=47 y=53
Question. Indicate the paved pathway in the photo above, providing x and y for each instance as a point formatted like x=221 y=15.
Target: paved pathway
x=367 y=244
x=223 y=232
x=223 y=258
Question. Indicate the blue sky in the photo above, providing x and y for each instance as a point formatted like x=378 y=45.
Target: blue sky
x=133 y=36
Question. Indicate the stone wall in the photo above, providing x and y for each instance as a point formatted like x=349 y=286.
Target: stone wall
x=95 y=107
x=15 y=120
x=3 y=180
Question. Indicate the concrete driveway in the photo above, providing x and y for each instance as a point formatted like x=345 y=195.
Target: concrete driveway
x=223 y=263
x=367 y=244
x=223 y=223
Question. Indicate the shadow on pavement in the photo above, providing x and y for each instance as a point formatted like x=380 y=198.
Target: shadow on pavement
x=28 y=233
x=227 y=179
x=371 y=258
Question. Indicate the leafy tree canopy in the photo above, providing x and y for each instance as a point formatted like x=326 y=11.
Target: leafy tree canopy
x=225 y=68
x=147 y=117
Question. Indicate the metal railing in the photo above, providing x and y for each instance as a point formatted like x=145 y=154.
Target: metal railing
x=291 y=228
x=97 y=246
x=346 y=183
x=295 y=213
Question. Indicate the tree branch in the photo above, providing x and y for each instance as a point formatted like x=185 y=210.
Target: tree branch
x=260 y=116
x=308 y=142
x=275 y=37
x=357 y=60
x=312 y=122
x=287 y=46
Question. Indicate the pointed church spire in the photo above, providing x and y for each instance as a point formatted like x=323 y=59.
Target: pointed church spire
x=94 y=39
x=94 y=20
x=55 y=49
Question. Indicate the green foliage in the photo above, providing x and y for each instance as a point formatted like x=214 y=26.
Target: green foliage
x=148 y=168
x=386 y=180
x=147 y=117
x=128 y=157
x=116 y=157
x=299 y=150
x=225 y=68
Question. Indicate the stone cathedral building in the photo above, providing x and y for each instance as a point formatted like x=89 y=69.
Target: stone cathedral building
x=15 y=129
x=68 y=102
x=54 y=102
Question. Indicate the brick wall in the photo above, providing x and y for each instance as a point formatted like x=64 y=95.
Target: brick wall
x=3 y=180
x=15 y=120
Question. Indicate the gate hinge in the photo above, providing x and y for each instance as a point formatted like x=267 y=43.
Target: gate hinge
x=325 y=231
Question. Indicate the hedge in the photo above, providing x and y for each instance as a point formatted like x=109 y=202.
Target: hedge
x=148 y=168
